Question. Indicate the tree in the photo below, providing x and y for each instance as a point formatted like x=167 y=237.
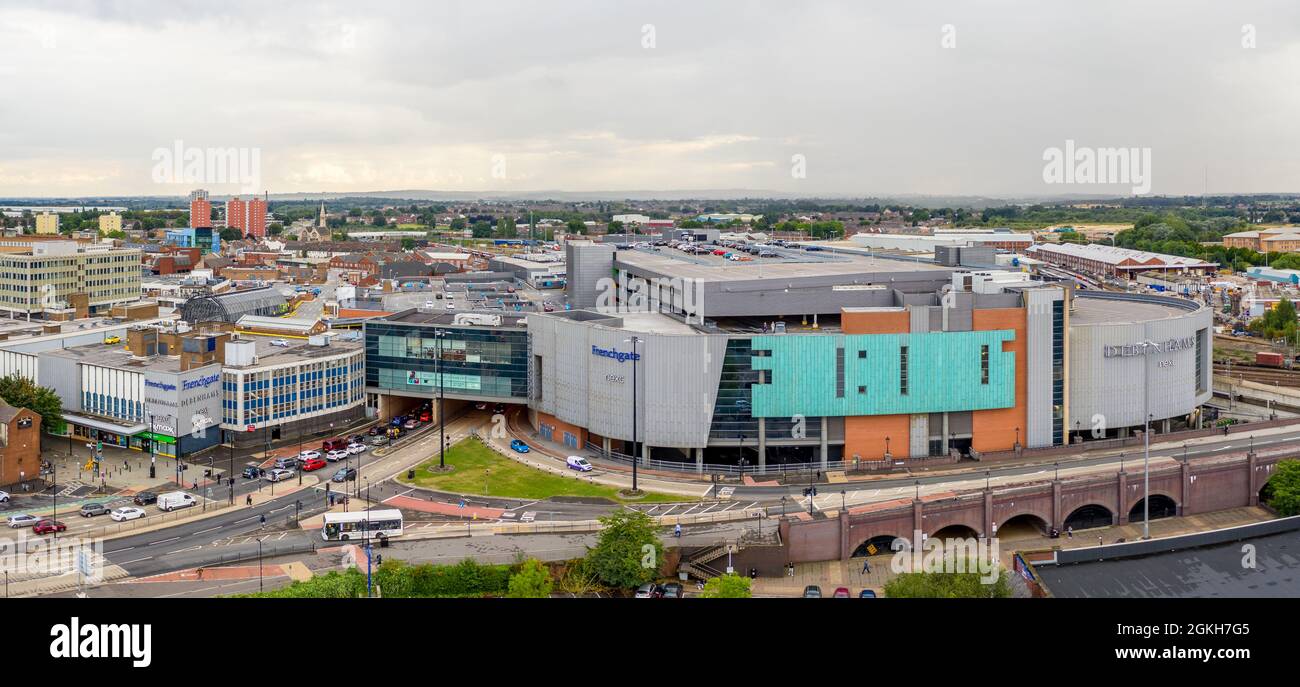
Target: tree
x=615 y=227
x=627 y=554
x=275 y=229
x=231 y=235
x=379 y=220
x=1282 y=493
x=506 y=228
x=408 y=243
x=532 y=581
x=457 y=223
x=481 y=230
x=20 y=392
x=731 y=586
x=576 y=226
x=1278 y=323
x=947 y=585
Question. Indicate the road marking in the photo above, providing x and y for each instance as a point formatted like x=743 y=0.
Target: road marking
x=529 y=516
x=726 y=492
x=670 y=509
x=508 y=514
x=688 y=512
x=146 y=558
x=192 y=548
x=162 y=541
x=210 y=529
x=711 y=507
x=120 y=550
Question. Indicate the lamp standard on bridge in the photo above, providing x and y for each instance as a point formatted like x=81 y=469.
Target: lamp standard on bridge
x=986 y=480
x=1056 y=467
x=1147 y=345
x=918 y=490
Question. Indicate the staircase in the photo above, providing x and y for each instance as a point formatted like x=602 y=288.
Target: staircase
x=698 y=565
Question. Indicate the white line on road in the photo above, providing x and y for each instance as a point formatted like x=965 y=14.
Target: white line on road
x=162 y=541
x=146 y=558
x=210 y=529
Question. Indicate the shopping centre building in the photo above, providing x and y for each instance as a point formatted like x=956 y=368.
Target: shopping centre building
x=810 y=358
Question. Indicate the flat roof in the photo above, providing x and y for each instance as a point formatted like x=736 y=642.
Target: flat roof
x=1116 y=311
x=116 y=355
x=297 y=350
x=1212 y=571
x=416 y=316
x=793 y=264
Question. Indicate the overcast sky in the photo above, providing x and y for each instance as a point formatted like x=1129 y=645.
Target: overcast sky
x=610 y=96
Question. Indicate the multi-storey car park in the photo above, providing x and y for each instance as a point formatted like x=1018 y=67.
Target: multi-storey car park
x=806 y=358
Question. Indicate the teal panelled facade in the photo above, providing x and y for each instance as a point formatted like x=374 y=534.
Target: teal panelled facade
x=945 y=373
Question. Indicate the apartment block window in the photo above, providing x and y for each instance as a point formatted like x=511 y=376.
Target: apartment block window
x=862 y=389
x=839 y=373
x=902 y=370
x=862 y=355
x=984 y=364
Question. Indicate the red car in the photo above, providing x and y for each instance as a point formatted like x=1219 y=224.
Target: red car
x=314 y=464
x=48 y=526
x=424 y=417
x=841 y=593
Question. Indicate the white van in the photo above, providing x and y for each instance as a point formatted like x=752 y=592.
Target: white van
x=175 y=499
x=578 y=463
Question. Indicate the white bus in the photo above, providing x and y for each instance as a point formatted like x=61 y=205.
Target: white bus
x=361 y=525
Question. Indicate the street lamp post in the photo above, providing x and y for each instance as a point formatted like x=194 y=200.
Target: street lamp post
x=230 y=474
x=635 y=340
x=259 y=563
x=918 y=490
x=442 y=423
x=986 y=480
x=1057 y=468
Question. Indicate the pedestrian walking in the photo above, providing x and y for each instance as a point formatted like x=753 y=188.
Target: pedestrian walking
x=1099 y=540
x=262 y=518
x=1069 y=532
x=866 y=566
x=249 y=501
x=677 y=531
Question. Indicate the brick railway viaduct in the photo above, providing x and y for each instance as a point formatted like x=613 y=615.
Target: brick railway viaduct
x=1186 y=488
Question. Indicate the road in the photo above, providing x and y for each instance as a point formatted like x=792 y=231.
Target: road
x=235 y=534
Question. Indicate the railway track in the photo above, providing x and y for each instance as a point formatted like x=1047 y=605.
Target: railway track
x=1290 y=378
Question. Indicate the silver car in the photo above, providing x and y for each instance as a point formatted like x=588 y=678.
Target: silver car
x=23 y=520
x=278 y=475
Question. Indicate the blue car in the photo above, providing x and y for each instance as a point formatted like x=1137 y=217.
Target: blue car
x=518 y=446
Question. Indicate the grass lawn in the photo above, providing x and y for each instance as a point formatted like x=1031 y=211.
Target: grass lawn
x=511 y=479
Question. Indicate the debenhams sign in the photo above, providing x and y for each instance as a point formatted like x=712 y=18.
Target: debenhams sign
x=1133 y=350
